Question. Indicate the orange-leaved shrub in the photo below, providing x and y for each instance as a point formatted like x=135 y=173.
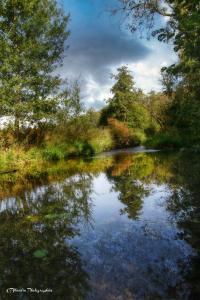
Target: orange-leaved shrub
x=123 y=135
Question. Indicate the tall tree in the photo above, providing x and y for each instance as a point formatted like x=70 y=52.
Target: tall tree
x=122 y=92
x=126 y=104
x=32 y=43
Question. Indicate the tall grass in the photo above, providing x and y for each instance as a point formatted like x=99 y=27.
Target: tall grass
x=102 y=141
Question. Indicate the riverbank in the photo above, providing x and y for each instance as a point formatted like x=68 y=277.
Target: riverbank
x=19 y=158
x=32 y=169
x=23 y=158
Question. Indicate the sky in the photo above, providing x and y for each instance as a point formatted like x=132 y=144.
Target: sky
x=99 y=43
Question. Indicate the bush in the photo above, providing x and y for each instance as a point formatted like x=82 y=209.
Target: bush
x=53 y=153
x=138 y=137
x=102 y=141
x=165 y=140
x=123 y=135
x=83 y=148
x=87 y=150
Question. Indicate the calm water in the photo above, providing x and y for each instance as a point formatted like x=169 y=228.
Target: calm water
x=122 y=226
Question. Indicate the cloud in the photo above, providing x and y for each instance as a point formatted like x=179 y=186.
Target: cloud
x=93 y=57
x=147 y=72
x=98 y=45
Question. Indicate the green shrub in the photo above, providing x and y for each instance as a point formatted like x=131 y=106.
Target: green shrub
x=87 y=149
x=165 y=140
x=83 y=148
x=34 y=153
x=138 y=137
x=102 y=141
x=53 y=154
x=79 y=146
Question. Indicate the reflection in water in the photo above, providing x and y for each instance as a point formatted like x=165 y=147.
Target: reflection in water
x=34 y=229
x=125 y=229
x=126 y=181
x=184 y=206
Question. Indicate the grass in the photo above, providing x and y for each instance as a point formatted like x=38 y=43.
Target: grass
x=57 y=148
x=66 y=151
x=102 y=141
x=18 y=157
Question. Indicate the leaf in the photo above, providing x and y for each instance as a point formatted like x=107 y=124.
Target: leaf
x=40 y=253
x=32 y=218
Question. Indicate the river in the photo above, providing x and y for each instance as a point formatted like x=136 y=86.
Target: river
x=123 y=225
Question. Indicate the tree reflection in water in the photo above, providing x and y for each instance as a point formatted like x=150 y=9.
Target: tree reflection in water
x=126 y=175
x=184 y=206
x=141 y=257
x=147 y=246
x=34 y=230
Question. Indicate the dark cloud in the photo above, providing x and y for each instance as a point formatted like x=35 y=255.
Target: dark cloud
x=97 y=44
x=97 y=50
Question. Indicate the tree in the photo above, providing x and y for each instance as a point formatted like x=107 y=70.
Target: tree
x=121 y=132
x=70 y=104
x=181 y=80
x=32 y=38
x=182 y=25
x=142 y=14
x=125 y=105
x=122 y=92
x=157 y=105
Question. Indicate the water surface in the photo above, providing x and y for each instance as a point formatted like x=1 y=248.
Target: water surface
x=125 y=225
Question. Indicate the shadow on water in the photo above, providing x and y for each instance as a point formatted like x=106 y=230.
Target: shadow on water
x=125 y=227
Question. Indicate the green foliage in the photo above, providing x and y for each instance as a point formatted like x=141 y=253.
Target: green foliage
x=122 y=105
x=181 y=80
x=63 y=151
x=40 y=253
x=166 y=140
x=139 y=137
x=53 y=153
x=32 y=38
x=83 y=148
x=70 y=105
x=102 y=141
x=157 y=105
x=138 y=116
x=82 y=127
x=78 y=148
x=123 y=81
x=128 y=110
x=184 y=113
x=81 y=136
